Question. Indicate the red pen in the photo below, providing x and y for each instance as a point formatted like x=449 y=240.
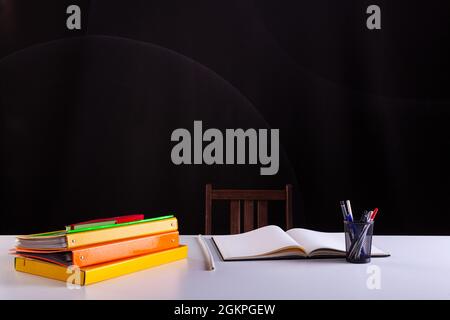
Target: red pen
x=113 y=220
x=374 y=214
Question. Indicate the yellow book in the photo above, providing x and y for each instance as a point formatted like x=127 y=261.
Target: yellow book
x=70 y=240
x=100 y=272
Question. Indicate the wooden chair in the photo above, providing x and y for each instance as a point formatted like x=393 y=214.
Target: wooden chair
x=249 y=197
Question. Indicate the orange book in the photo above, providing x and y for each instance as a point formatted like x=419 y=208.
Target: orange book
x=104 y=252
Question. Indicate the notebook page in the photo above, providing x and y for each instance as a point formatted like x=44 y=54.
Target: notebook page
x=254 y=243
x=313 y=240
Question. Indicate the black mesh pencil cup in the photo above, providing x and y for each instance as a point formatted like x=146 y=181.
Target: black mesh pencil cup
x=358 y=241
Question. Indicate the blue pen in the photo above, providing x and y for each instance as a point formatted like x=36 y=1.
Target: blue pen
x=349 y=209
x=343 y=209
x=348 y=218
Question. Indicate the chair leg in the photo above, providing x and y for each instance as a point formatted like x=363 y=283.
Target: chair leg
x=235 y=216
x=248 y=215
x=208 y=208
x=289 y=218
x=262 y=213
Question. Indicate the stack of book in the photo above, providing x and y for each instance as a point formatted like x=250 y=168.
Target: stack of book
x=97 y=250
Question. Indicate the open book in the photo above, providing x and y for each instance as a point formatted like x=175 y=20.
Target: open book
x=272 y=242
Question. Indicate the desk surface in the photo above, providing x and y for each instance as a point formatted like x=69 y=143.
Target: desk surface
x=419 y=268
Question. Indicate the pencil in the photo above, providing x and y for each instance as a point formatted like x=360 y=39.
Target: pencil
x=208 y=256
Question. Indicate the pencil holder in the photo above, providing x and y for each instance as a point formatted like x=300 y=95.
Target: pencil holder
x=358 y=241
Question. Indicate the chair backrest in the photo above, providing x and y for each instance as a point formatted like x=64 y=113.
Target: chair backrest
x=249 y=197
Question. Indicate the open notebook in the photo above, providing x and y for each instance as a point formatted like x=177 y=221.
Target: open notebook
x=273 y=242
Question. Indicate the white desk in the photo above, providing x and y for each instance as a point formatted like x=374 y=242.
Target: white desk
x=419 y=268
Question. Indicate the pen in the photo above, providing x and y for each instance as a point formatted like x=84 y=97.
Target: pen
x=366 y=216
x=374 y=214
x=344 y=210
x=208 y=256
x=347 y=218
x=349 y=209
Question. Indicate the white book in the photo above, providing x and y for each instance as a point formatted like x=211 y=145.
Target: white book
x=272 y=242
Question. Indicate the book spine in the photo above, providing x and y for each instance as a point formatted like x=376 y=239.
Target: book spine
x=87 y=238
x=111 y=270
x=92 y=274
x=124 y=249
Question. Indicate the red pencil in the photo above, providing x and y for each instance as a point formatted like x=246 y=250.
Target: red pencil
x=374 y=214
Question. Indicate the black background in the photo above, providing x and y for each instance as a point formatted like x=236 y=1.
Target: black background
x=87 y=115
